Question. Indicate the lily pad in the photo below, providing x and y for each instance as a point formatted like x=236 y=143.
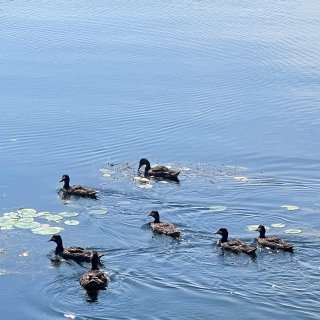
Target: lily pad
x=218 y=208
x=278 y=225
x=28 y=213
x=293 y=231
x=44 y=229
x=27 y=225
x=11 y=215
x=52 y=217
x=43 y=214
x=290 y=207
x=252 y=227
x=71 y=222
x=7 y=228
x=99 y=211
x=4 y=219
x=241 y=178
x=67 y=214
x=145 y=186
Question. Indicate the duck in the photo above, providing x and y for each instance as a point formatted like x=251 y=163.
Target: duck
x=236 y=245
x=76 y=190
x=166 y=228
x=272 y=242
x=78 y=254
x=94 y=279
x=158 y=171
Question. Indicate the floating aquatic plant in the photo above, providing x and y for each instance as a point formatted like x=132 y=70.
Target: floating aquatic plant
x=99 y=211
x=218 y=208
x=290 y=207
x=278 y=225
x=71 y=222
x=293 y=231
x=30 y=213
x=27 y=224
x=252 y=227
x=68 y=214
x=45 y=229
x=241 y=178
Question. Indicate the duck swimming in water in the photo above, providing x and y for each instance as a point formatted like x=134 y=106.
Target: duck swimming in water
x=272 y=242
x=76 y=190
x=236 y=245
x=78 y=254
x=163 y=227
x=94 y=279
x=158 y=171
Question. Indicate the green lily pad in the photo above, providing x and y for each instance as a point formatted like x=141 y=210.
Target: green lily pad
x=145 y=186
x=290 y=207
x=218 y=208
x=252 y=227
x=44 y=214
x=278 y=225
x=44 y=229
x=241 y=179
x=67 y=214
x=28 y=213
x=27 y=225
x=11 y=215
x=52 y=217
x=7 y=228
x=293 y=231
x=71 y=222
x=99 y=211
x=4 y=219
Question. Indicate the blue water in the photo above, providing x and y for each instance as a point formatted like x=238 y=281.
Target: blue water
x=227 y=89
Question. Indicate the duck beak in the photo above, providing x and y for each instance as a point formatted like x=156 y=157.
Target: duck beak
x=218 y=232
x=61 y=180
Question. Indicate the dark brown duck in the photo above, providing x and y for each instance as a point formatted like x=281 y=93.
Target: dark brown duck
x=236 y=245
x=78 y=254
x=76 y=190
x=158 y=171
x=163 y=227
x=272 y=242
x=94 y=279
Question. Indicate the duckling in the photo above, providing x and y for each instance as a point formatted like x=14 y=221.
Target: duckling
x=163 y=227
x=94 y=279
x=272 y=242
x=78 y=254
x=158 y=171
x=76 y=190
x=236 y=246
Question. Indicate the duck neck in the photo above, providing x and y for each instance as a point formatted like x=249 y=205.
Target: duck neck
x=94 y=265
x=156 y=220
x=59 y=248
x=224 y=238
x=66 y=185
x=147 y=168
x=262 y=234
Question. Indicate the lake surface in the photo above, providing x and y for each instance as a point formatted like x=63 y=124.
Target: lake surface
x=227 y=91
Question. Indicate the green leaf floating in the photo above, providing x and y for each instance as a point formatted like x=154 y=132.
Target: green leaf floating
x=28 y=213
x=27 y=225
x=71 y=222
x=253 y=227
x=278 y=225
x=293 y=231
x=290 y=207
x=45 y=229
x=218 y=208
x=11 y=215
x=99 y=211
x=68 y=214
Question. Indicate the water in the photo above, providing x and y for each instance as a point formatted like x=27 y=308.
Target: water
x=228 y=89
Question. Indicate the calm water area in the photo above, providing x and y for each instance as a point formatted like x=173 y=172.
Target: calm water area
x=226 y=91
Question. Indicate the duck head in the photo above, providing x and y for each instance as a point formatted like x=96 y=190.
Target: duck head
x=262 y=230
x=58 y=240
x=145 y=162
x=155 y=215
x=66 y=179
x=224 y=234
